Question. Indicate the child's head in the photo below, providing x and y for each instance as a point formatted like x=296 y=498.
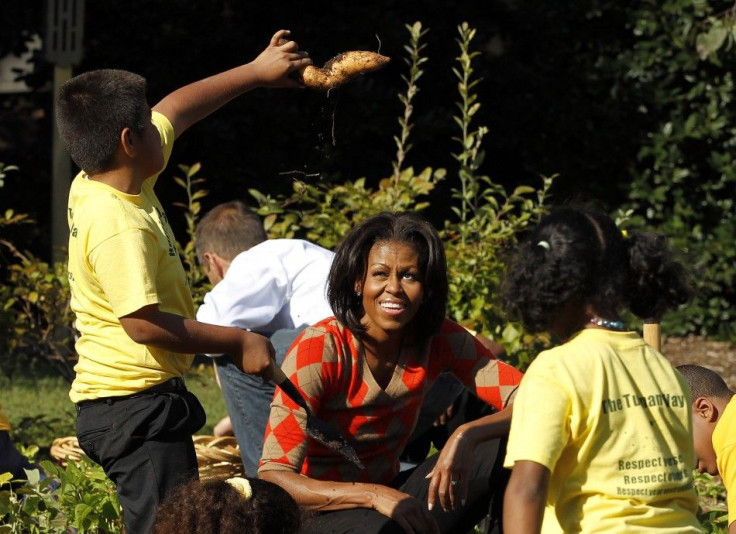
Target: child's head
x=710 y=395
x=92 y=111
x=217 y=507
x=577 y=257
x=224 y=232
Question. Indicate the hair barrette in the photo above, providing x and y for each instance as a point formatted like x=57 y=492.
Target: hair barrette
x=544 y=244
x=242 y=485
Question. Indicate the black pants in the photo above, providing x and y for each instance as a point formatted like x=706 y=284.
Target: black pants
x=144 y=444
x=485 y=497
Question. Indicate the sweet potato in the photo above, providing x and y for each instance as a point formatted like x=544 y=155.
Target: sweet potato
x=341 y=68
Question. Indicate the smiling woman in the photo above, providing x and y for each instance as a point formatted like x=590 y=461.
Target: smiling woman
x=367 y=371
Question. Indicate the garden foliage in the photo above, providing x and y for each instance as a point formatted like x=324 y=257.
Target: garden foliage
x=486 y=218
x=682 y=66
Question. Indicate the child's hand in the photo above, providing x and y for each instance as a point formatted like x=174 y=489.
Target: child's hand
x=257 y=355
x=273 y=66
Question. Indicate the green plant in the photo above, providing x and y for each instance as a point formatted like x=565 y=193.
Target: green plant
x=712 y=511
x=488 y=222
x=78 y=496
x=681 y=68
x=192 y=210
x=36 y=308
x=10 y=217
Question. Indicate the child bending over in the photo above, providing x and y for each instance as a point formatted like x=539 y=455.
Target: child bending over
x=714 y=429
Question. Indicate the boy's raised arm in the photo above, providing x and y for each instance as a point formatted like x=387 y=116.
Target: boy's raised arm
x=272 y=68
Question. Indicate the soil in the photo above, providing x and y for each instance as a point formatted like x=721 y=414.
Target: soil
x=716 y=355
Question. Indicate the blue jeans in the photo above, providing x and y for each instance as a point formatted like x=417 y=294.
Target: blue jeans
x=248 y=400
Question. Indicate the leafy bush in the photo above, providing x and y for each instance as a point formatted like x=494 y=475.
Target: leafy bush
x=78 y=496
x=681 y=67
x=35 y=307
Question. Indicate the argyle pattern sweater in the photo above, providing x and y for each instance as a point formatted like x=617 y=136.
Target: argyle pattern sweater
x=327 y=364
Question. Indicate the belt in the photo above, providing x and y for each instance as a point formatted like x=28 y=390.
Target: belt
x=171 y=385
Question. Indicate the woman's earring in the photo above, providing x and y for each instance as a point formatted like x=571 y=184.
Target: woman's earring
x=358 y=291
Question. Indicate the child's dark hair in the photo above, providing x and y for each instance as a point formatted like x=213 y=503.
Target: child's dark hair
x=216 y=507
x=227 y=230
x=93 y=109
x=351 y=261
x=704 y=382
x=579 y=255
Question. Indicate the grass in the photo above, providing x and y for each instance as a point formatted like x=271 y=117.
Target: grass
x=39 y=410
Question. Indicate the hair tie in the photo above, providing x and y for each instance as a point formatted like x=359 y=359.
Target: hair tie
x=242 y=485
x=544 y=244
x=625 y=233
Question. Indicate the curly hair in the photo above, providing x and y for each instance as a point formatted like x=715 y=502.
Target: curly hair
x=577 y=254
x=216 y=507
x=351 y=260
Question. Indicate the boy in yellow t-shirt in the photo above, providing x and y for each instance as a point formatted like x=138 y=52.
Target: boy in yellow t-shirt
x=129 y=291
x=714 y=429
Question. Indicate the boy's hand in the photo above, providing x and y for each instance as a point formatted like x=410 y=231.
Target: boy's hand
x=273 y=66
x=257 y=355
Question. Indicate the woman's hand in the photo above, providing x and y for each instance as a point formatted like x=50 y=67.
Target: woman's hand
x=451 y=474
x=409 y=512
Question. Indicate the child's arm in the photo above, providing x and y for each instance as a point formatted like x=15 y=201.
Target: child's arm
x=271 y=68
x=252 y=353
x=526 y=494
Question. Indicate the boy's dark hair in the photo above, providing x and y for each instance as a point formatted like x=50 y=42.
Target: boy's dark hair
x=227 y=230
x=216 y=507
x=351 y=260
x=704 y=382
x=93 y=109
x=580 y=255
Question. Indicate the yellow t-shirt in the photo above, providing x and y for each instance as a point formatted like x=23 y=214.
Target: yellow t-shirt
x=724 y=444
x=610 y=418
x=4 y=421
x=122 y=257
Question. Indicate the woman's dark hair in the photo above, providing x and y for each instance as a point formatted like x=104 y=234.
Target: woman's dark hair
x=351 y=260
x=580 y=255
x=216 y=507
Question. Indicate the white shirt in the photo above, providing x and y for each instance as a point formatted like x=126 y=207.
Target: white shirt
x=280 y=283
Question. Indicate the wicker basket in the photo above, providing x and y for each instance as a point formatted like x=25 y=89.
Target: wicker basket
x=217 y=457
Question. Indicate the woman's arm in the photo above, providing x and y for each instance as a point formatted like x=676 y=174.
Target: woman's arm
x=456 y=458
x=318 y=495
x=526 y=495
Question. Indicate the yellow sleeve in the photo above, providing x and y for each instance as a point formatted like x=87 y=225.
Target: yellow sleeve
x=540 y=427
x=727 y=470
